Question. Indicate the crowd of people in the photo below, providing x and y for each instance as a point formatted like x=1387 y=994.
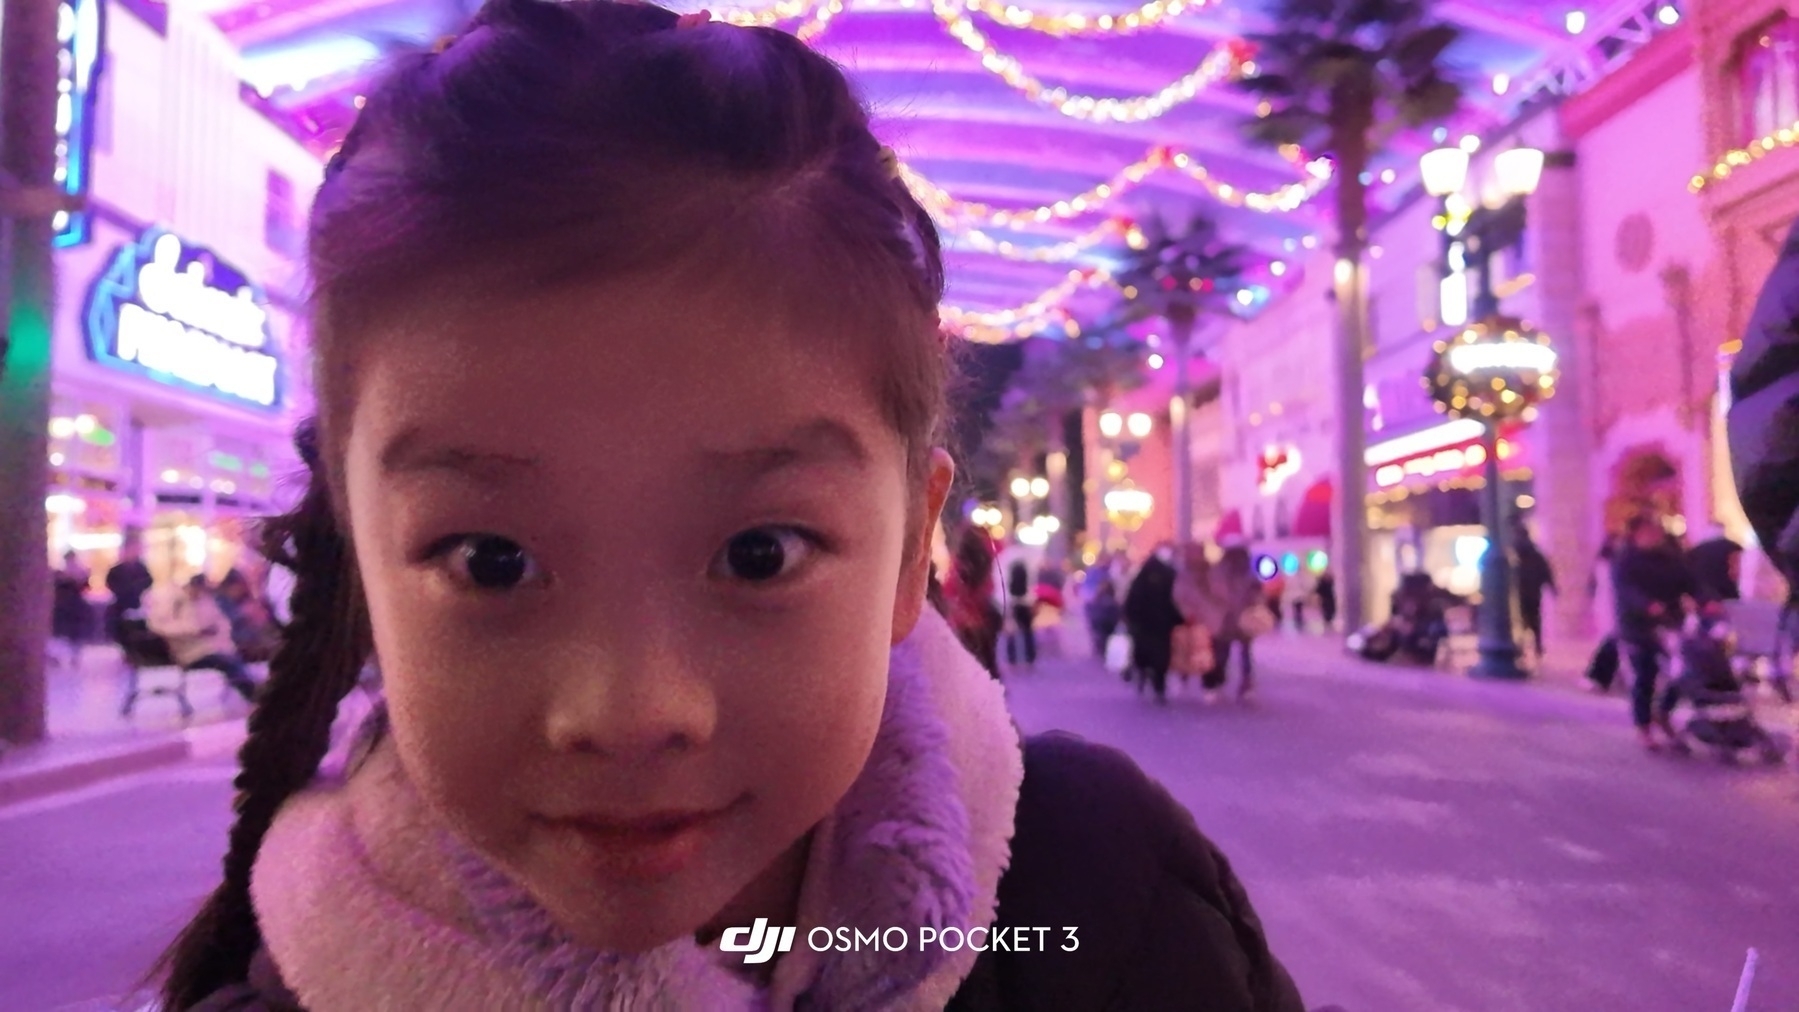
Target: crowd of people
x=224 y=626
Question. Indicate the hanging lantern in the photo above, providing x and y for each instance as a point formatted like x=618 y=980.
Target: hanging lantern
x=1495 y=370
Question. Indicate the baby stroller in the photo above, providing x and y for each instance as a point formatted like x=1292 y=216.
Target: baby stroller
x=1723 y=717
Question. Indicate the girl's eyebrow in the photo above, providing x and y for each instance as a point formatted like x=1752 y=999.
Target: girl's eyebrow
x=410 y=453
x=819 y=441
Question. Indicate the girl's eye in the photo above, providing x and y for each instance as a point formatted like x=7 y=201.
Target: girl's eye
x=490 y=562
x=763 y=554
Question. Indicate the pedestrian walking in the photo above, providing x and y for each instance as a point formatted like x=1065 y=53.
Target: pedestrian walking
x=1535 y=575
x=1151 y=617
x=969 y=591
x=1192 y=643
x=1652 y=583
x=70 y=616
x=1327 y=599
x=1603 y=666
x=127 y=581
x=631 y=376
x=1021 y=606
x=1103 y=615
x=1241 y=615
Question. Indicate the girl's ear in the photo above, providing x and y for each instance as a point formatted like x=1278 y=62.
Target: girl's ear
x=915 y=569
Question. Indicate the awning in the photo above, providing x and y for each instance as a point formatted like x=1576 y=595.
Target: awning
x=1313 y=518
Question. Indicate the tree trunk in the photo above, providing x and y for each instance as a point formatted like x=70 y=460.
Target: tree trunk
x=28 y=77
x=1180 y=327
x=1352 y=117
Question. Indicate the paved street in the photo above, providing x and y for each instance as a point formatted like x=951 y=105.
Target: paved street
x=1414 y=841
x=1420 y=842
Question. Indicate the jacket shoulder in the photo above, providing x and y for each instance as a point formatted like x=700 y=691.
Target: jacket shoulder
x=1160 y=919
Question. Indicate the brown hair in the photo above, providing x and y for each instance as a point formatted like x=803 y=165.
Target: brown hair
x=559 y=143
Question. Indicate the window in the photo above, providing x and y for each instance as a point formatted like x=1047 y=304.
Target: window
x=1767 y=68
x=281 y=227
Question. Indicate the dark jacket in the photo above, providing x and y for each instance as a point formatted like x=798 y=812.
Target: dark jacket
x=1535 y=575
x=128 y=582
x=1151 y=615
x=1644 y=578
x=1710 y=565
x=1163 y=922
x=1764 y=415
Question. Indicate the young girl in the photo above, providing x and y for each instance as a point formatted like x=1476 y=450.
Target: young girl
x=629 y=384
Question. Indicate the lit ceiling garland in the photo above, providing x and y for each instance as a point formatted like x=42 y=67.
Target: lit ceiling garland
x=998 y=325
x=1063 y=25
x=1226 y=60
x=955 y=213
x=980 y=242
x=1060 y=25
x=1754 y=151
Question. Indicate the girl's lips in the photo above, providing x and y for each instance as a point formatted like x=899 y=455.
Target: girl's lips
x=655 y=845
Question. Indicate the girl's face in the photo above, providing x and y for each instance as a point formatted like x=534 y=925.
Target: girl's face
x=635 y=558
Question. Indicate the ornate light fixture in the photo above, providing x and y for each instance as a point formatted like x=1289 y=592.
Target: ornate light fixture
x=1495 y=370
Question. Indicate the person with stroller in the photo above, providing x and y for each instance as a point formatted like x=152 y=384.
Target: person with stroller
x=1652 y=585
x=1151 y=617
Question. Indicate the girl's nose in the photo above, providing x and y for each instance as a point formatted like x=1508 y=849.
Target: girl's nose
x=631 y=704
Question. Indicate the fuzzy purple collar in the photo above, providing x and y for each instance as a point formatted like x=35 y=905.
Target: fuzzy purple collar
x=366 y=900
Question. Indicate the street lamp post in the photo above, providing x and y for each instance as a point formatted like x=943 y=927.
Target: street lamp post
x=1497 y=369
x=1122 y=437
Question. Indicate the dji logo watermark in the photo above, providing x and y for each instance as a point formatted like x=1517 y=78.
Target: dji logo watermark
x=760 y=942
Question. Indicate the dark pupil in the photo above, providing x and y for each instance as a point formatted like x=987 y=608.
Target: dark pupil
x=756 y=555
x=494 y=563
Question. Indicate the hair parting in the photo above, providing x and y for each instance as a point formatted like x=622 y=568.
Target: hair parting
x=322 y=652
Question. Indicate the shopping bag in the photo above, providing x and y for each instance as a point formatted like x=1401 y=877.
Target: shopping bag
x=1257 y=620
x=1118 y=653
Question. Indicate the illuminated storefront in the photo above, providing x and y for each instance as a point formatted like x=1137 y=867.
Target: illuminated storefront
x=1424 y=509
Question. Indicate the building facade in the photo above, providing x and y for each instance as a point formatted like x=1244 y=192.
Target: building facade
x=178 y=368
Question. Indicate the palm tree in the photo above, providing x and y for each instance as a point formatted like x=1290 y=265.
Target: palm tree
x=28 y=60
x=1180 y=278
x=1340 y=77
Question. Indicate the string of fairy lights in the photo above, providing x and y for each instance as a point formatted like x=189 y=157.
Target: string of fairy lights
x=1011 y=15
x=966 y=224
x=1225 y=61
x=1748 y=154
x=952 y=212
x=1003 y=324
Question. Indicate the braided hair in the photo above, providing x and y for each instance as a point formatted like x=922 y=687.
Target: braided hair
x=322 y=651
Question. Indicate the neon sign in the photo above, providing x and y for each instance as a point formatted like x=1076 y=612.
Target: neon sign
x=80 y=53
x=179 y=315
